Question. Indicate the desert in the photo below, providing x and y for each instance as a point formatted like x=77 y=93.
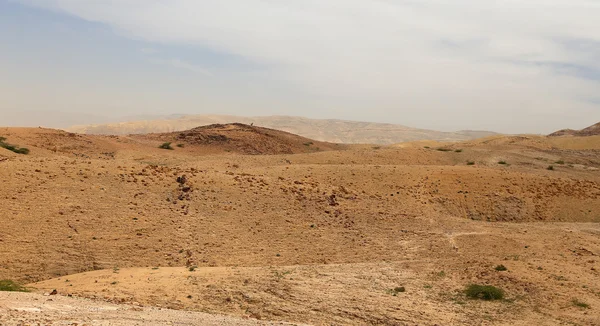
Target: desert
x=258 y=226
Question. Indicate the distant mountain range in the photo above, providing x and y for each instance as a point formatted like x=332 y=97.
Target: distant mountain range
x=336 y=131
x=592 y=130
x=47 y=119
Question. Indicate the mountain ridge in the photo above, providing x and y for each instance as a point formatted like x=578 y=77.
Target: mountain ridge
x=592 y=130
x=328 y=130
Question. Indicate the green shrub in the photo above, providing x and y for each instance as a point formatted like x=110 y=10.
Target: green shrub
x=501 y=268
x=166 y=146
x=13 y=148
x=427 y=147
x=458 y=150
x=580 y=304
x=484 y=292
x=444 y=149
x=181 y=145
x=502 y=162
x=561 y=162
x=470 y=163
x=10 y=286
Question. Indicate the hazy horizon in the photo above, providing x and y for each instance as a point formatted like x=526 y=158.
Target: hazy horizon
x=510 y=67
x=62 y=120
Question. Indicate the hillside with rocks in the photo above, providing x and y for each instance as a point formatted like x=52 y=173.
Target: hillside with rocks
x=259 y=225
x=593 y=130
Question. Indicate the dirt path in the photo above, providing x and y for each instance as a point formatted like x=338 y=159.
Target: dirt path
x=28 y=308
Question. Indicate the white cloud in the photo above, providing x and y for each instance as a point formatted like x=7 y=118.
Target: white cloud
x=471 y=57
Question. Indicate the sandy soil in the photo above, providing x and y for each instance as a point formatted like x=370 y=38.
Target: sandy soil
x=319 y=237
x=35 y=309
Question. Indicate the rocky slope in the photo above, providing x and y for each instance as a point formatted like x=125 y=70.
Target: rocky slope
x=315 y=237
x=593 y=130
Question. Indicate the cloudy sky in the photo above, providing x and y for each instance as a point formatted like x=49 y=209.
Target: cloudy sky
x=510 y=66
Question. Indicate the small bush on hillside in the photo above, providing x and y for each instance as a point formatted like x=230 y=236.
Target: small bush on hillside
x=166 y=146
x=551 y=168
x=10 y=286
x=580 y=304
x=308 y=144
x=458 y=150
x=561 y=162
x=397 y=290
x=181 y=145
x=502 y=163
x=501 y=268
x=427 y=147
x=470 y=163
x=444 y=149
x=484 y=292
x=13 y=148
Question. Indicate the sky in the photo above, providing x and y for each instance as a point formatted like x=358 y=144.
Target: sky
x=510 y=66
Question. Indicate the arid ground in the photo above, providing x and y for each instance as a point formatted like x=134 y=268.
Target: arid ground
x=257 y=226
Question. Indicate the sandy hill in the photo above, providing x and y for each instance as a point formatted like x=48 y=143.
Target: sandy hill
x=336 y=131
x=367 y=235
x=243 y=139
x=593 y=130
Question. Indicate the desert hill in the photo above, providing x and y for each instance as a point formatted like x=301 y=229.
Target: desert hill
x=213 y=139
x=335 y=131
x=356 y=235
x=243 y=139
x=593 y=130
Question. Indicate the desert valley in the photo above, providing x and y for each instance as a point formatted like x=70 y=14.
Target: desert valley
x=243 y=225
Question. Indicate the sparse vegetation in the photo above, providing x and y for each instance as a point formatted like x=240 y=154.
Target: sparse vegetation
x=484 y=292
x=560 y=162
x=166 y=146
x=427 y=147
x=181 y=145
x=458 y=150
x=501 y=268
x=550 y=168
x=281 y=275
x=444 y=149
x=308 y=144
x=10 y=286
x=502 y=163
x=192 y=268
x=470 y=163
x=580 y=304
x=397 y=290
x=13 y=148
